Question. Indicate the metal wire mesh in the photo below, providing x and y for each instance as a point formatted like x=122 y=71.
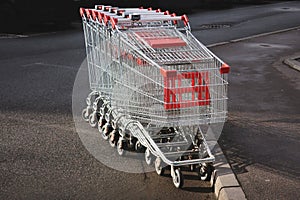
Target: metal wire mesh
x=156 y=74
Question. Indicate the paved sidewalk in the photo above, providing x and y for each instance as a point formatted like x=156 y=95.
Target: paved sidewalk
x=262 y=136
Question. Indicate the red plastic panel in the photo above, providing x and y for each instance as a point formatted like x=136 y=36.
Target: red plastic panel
x=224 y=69
x=165 y=42
x=168 y=73
x=174 y=91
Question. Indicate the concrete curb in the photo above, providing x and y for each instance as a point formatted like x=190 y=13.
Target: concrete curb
x=292 y=62
x=224 y=180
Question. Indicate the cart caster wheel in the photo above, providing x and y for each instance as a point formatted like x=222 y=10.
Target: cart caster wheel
x=101 y=131
x=106 y=130
x=112 y=139
x=158 y=167
x=178 y=178
x=85 y=114
x=120 y=147
x=148 y=157
x=205 y=172
x=93 y=122
x=102 y=121
x=139 y=147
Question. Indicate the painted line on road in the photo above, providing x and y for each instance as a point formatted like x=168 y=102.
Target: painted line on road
x=217 y=44
x=11 y=36
x=50 y=65
x=14 y=36
x=253 y=36
x=41 y=34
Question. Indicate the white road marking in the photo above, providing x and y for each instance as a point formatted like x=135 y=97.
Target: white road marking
x=253 y=36
x=11 y=36
x=51 y=65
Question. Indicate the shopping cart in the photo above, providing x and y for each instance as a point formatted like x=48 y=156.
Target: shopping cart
x=153 y=86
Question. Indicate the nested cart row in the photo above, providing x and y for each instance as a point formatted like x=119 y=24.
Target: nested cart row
x=153 y=85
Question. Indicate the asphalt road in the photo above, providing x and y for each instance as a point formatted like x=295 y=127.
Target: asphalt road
x=219 y=26
x=261 y=138
x=41 y=155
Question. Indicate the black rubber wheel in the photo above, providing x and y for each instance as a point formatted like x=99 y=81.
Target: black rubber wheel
x=100 y=129
x=178 y=180
x=102 y=121
x=105 y=131
x=101 y=124
x=85 y=115
x=205 y=172
x=120 y=147
x=93 y=121
x=113 y=138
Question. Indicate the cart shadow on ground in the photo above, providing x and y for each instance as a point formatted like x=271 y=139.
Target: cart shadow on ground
x=240 y=155
x=195 y=189
x=234 y=151
x=190 y=181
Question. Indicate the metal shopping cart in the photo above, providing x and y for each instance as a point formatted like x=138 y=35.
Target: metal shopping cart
x=153 y=85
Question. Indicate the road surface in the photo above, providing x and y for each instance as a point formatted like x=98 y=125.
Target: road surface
x=262 y=135
x=41 y=155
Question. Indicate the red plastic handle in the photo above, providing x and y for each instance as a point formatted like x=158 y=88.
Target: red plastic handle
x=185 y=19
x=106 y=19
x=94 y=14
x=81 y=11
x=88 y=13
x=224 y=69
x=174 y=15
x=114 y=22
x=100 y=16
x=120 y=12
x=166 y=12
x=114 y=10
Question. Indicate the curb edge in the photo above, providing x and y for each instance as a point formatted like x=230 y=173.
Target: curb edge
x=224 y=181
